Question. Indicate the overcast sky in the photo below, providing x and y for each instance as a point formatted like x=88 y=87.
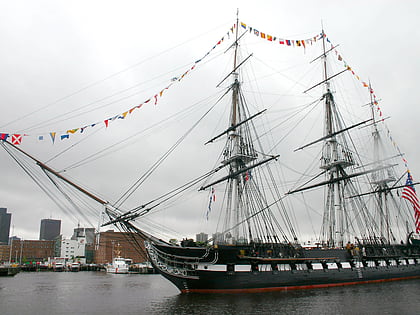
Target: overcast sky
x=61 y=57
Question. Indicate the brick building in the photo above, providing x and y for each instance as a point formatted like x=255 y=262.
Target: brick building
x=27 y=250
x=4 y=253
x=124 y=244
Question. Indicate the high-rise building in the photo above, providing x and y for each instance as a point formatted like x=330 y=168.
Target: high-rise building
x=5 y=219
x=202 y=237
x=50 y=229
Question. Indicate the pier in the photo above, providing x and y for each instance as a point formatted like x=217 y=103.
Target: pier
x=135 y=268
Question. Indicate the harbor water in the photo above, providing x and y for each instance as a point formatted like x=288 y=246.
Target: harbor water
x=101 y=293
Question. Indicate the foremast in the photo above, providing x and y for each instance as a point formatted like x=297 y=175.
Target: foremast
x=336 y=157
x=238 y=153
x=246 y=207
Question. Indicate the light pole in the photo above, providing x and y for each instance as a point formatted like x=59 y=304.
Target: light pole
x=21 y=249
x=10 y=252
x=11 y=245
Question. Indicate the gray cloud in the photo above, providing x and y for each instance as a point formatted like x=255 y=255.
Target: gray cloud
x=97 y=49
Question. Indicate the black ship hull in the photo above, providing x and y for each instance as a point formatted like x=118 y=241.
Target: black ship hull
x=237 y=282
x=198 y=270
x=6 y=271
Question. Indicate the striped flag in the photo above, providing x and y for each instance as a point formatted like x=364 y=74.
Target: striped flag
x=409 y=193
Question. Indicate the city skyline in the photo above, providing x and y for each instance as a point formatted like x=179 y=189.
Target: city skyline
x=39 y=237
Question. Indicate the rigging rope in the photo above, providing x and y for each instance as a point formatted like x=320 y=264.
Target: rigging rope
x=117 y=145
x=68 y=198
x=37 y=181
x=149 y=172
x=95 y=83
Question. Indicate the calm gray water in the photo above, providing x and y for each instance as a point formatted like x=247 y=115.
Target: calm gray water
x=101 y=293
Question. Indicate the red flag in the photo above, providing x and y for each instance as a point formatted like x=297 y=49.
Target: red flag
x=16 y=139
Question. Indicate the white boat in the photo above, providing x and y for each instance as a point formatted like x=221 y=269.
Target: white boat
x=118 y=265
x=58 y=266
x=75 y=267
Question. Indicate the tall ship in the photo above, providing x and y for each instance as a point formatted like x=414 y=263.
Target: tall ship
x=345 y=213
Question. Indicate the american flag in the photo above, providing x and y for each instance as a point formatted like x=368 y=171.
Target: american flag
x=409 y=193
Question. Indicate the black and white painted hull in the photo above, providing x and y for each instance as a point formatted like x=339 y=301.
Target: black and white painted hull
x=206 y=271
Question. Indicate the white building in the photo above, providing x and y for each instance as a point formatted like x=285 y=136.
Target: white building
x=71 y=249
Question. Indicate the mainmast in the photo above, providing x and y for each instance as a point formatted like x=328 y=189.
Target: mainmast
x=345 y=214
